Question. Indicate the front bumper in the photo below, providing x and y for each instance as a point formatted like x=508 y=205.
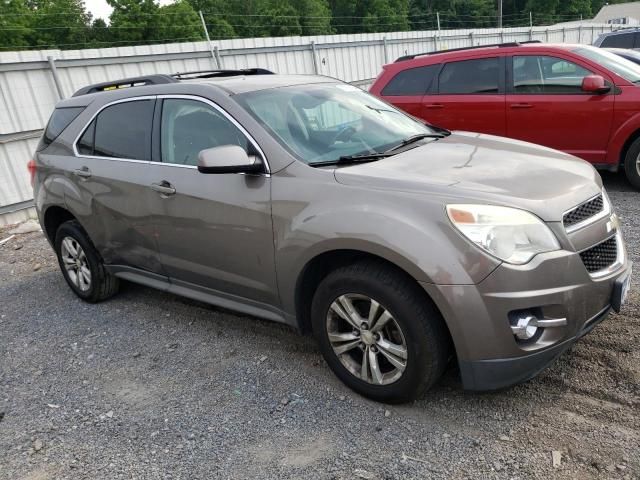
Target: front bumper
x=557 y=284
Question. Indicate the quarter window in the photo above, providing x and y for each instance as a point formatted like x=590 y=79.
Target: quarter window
x=413 y=81
x=543 y=74
x=122 y=130
x=60 y=119
x=470 y=77
x=190 y=126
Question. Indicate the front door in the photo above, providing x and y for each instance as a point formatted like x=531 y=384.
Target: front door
x=214 y=231
x=470 y=97
x=546 y=105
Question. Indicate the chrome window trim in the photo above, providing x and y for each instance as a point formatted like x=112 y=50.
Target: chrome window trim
x=206 y=101
x=225 y=114
x=606 y=211
x=84 y=129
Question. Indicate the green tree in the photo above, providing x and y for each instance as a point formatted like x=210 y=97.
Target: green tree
x=385 y=15
x=314 y=16
x=133 y=21
x=178 y=20
x=99 y=34
x=15 y=20
x=61 y=23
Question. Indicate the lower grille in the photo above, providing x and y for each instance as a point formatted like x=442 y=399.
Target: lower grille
x=601 y=256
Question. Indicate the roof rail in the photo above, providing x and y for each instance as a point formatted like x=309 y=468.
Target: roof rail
x=509 y=44
x=220 y=73
x=125 y=83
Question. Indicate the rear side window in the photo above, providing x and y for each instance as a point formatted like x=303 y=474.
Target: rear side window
x=413 y=81
x=470 y=77
x=60 y=119
x=122 y=130
x=621 y=40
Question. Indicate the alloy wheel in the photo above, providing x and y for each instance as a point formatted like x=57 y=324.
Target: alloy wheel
x=366 y=338
x=75 y=263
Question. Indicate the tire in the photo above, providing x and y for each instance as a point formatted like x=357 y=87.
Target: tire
x=632 y=164
x=92 y=286
x=413 y=323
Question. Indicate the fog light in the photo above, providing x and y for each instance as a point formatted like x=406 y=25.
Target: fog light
x=525 y=327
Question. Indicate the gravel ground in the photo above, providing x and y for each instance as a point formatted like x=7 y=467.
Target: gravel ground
x=149 y=385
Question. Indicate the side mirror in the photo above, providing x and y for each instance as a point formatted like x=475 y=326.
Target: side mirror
x=594 y=84
x=228 y=159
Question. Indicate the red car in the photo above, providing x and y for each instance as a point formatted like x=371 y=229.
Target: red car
x=579 y=99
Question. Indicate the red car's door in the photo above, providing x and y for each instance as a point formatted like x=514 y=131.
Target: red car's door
x=546 y=105
x=469 y=96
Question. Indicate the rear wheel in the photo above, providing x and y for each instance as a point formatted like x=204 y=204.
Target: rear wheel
x=632 y=164
x=81 y=264
x=378 y=332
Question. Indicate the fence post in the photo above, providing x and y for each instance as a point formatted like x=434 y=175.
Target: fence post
x=218 y=57
x=385 y=49
x=206 y=34
x=316 y=68
x=56 y=79
x=471 y=38
x=579 y=33
x=564 y=35
x=530 y=33
x=547 y=34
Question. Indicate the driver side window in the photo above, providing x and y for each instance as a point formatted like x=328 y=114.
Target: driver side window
x=189 y=126
x=549 y=75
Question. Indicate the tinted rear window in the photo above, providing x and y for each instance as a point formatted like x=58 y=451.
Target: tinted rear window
x=60 y=119
x=470 y=76
x=413 y=81
x=123 y=130
x=622 y=40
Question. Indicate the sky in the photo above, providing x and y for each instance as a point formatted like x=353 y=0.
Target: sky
x=101 y=9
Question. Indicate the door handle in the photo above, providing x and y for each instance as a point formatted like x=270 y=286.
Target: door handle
x=83 y=172
x=163 y=188
x=521 y=105
x=434 y=106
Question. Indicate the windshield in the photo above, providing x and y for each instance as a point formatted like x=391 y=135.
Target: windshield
x=319 y=123
x=621 y=66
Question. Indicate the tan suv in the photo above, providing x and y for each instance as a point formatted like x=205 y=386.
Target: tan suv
x=304 y=200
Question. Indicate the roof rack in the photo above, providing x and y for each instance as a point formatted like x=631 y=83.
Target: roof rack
x=220 y=73
x=501 y=45
x=125 y=83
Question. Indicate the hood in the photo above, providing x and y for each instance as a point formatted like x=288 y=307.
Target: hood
x=473 y=167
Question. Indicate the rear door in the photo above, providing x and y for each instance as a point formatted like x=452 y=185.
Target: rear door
x=469 y=96
x=546 y=105
x=109 y=177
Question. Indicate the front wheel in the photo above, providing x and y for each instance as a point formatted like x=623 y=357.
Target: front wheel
x=378 y=332
x=632 y=164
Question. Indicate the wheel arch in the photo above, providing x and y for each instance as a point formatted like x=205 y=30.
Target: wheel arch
x=318 y=267
x=54 y=216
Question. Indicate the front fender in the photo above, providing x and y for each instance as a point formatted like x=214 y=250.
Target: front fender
x=408 y=230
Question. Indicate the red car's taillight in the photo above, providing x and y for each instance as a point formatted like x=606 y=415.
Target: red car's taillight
x=31 y=166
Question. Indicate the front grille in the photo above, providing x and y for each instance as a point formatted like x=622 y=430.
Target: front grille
x=584 y=211
x=601 y=256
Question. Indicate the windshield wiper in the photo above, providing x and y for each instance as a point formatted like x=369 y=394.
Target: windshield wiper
x=415 y=138
x=350 y=159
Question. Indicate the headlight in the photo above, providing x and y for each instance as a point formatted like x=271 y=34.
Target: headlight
x=512 y=235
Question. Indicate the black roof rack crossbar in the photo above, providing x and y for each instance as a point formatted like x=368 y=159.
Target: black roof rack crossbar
x=508 y=44
x=125 y=83
x=220 y=73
